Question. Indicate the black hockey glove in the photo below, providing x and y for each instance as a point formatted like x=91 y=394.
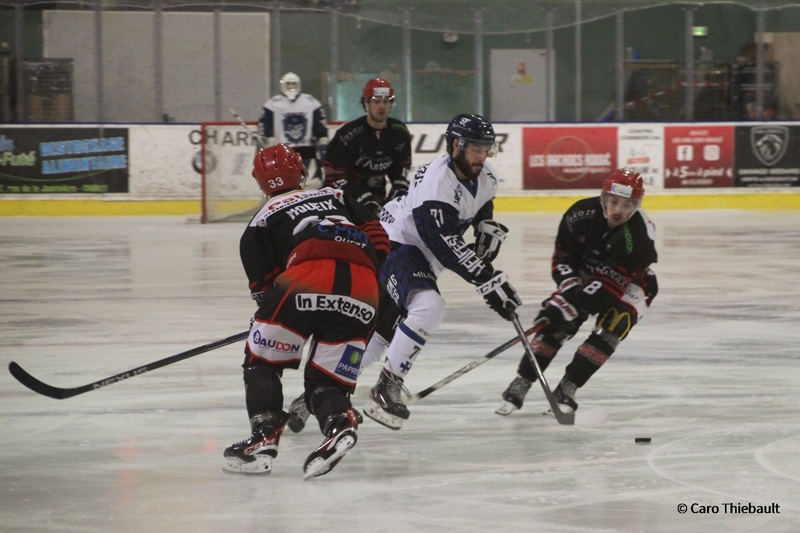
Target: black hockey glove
x=572 y=291
x=258 y=297
x=489 y=235
x=562 y=318
x=500 y=295
x=362 y=196
x=399 y=188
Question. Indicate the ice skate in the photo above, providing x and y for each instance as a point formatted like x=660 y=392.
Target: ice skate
x=565 y=396
x=386 y=407
x=514 y=395
x=340 y=430
x=298 y=414
x=254 y=455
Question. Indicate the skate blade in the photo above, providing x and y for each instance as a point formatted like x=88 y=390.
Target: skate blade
x=506 y=409
x=320 y=466
x=374 y=411
x=262 y=465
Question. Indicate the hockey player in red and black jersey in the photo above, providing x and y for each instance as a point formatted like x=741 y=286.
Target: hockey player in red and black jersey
x=601 y=267
x=311 y=258
x=367 y=151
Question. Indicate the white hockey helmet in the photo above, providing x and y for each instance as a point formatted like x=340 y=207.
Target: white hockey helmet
x=290 y=85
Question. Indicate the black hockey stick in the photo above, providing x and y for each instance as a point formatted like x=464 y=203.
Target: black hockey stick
x=567 y=419
x=59 y=394
x=460 y=372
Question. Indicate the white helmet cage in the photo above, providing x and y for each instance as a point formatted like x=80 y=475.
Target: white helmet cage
x=290 y=85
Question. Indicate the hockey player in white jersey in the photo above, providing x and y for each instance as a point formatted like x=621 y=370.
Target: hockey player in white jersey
x=426 y=227
x=297 y=119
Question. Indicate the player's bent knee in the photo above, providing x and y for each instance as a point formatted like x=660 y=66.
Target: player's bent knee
x=425 y=310
x=616 y=322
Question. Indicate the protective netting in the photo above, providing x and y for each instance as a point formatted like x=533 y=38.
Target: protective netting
x=457 y=16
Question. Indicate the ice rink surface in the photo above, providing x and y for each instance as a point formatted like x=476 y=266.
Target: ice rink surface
x=711 y=375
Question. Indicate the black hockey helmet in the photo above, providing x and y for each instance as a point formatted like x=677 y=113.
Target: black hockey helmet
x=469 y=128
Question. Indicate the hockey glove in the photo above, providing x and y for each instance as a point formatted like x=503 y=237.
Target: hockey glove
x=571 y=290
x=399 y=188
x=489 y=235
x=563 y=318
x=362 y=196
x=500 y=295
x=258 y=297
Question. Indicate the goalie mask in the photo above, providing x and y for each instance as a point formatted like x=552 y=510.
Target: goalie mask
x=290 y=85
x=278 y=168
x=470 y=129
x=622 y=195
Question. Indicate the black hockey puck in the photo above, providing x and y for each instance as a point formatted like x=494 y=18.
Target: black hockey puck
x=642 y=440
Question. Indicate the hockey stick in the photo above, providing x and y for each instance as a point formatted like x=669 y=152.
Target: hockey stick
x=260 y=143
x=240 y=119
x=59 y=394
x=474 y=364
x=567 y=419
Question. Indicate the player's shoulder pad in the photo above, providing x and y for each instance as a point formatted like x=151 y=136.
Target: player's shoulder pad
x=647 y=222
x=396 y=124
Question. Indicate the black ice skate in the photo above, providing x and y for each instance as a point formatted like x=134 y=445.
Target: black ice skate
x=386 y=407
x=340 y=430
x=254 y=455
x=565 y=396
x=514 y=395
x=298 y=414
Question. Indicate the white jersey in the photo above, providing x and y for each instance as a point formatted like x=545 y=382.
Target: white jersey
x=436 y=212
x=294 y=122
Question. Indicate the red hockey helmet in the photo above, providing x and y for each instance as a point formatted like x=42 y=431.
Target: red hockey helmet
x=625 y=183
x=278 y=168
x=377 y=87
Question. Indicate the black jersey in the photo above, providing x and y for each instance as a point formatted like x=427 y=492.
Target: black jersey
x=363 y=156
x=613 y=257
x=303 y=225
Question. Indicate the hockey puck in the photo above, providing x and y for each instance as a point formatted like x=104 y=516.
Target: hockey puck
x=642 y=440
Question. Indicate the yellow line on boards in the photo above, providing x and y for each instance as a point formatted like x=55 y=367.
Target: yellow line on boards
x=503 y=203
x=653 y=202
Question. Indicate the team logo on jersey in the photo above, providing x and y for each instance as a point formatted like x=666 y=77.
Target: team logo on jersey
x=769 y=143
x=350 y=363
x=295 y=126
x=458 y=194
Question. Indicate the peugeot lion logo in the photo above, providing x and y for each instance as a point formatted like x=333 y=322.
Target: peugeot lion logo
x=769 y=143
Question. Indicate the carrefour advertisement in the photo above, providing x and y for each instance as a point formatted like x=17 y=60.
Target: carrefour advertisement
x=63 y=160
x=568 y=157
